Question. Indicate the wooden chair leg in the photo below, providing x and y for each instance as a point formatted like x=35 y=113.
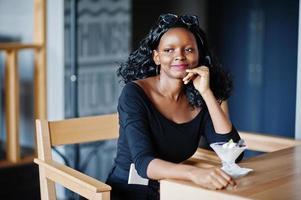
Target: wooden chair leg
x=102 y=196
x=47 y=186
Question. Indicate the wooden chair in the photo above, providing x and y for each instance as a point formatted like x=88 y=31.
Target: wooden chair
x=71 y=131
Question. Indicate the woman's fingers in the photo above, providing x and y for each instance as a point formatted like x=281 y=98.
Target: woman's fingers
x=217 y=180
x=213 y=178
x=188 y=77
x=228 y=178
x=217 y=185
x=202 y=71
x=221 y=180
x=198 y=70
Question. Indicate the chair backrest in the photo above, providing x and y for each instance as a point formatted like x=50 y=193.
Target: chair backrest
x=71 y=131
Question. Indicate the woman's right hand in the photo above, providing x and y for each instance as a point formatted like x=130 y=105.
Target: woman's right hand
x=211 y=178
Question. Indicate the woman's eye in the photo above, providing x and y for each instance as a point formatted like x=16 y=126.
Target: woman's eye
x=189 y=50
x=168 y=50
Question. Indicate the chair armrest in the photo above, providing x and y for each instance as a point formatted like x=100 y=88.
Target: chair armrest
x=69 y=177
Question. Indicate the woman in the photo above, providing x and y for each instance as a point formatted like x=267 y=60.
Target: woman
x=174 y=93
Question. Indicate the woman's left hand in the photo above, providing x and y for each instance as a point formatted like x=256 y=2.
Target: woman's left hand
x=200 y=77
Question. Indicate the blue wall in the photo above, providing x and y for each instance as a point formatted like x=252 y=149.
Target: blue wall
x=257 y=41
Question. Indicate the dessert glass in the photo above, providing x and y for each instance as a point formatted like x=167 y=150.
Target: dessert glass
x=228 y=155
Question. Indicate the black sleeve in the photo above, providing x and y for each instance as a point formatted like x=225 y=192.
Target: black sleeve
x=135 y=125
x=211 y=136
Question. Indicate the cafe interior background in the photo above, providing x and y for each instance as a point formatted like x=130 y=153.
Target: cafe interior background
x=256 y=40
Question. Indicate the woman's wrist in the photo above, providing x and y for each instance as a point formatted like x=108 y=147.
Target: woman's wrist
x=207 y=94
x=220 y=120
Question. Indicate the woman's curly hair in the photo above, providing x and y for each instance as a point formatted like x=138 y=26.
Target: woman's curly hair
x=140 y=63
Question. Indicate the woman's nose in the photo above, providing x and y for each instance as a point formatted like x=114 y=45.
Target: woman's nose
x=179 y=55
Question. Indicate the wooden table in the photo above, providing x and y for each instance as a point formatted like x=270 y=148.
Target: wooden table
x=276 y=175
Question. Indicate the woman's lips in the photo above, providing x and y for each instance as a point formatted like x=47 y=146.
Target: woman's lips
x=180 y=66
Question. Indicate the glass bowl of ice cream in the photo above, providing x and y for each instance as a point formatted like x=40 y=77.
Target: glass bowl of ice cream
x=228 y=152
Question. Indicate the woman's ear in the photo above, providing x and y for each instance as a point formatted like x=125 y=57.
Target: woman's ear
x=156 y=57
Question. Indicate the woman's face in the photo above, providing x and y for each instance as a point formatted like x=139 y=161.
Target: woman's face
x=176 y=52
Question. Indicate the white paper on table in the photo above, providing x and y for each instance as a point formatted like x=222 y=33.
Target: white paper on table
x=235 y=171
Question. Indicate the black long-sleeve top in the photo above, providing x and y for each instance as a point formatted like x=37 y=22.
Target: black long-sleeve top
x=146 y=134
